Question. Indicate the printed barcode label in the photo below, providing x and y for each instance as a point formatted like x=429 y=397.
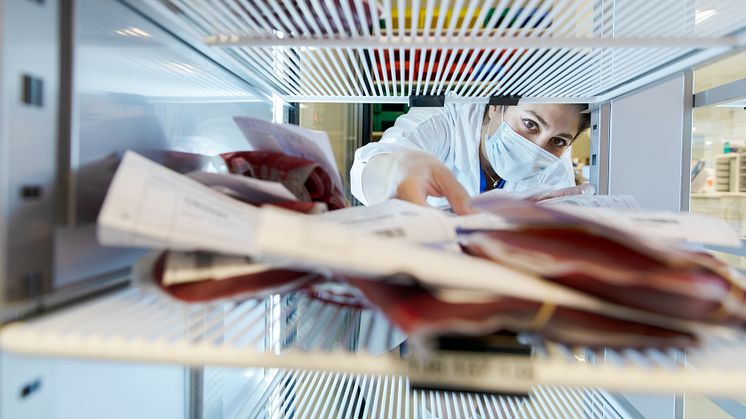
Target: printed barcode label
x=394 y=232
x=455 y=368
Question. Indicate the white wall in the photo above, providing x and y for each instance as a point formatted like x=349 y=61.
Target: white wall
x=77 y=389
x=118 y=390
x=646 y=145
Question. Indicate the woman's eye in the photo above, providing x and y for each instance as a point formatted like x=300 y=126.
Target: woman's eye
x=559 y=142
x=529 y=124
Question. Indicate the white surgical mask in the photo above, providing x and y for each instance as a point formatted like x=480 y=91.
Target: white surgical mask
x=514 y=157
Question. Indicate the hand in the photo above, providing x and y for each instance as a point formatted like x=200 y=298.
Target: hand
x=584 y=189
x=421 y=175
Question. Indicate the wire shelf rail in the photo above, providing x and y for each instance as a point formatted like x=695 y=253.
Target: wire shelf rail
x=581 y=51
x=297 y=331
x=301 y=394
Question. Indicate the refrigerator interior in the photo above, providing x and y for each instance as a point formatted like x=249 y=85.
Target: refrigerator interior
x=161 y=76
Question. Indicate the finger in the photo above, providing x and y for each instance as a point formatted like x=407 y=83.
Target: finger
x=412 y=191
x=541 y=196
x=584 y=189
x=451 y=189
x=587 y=189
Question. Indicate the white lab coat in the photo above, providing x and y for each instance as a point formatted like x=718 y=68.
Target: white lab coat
x=451 y=134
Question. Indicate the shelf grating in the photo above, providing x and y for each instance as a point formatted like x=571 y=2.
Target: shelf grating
x=298 y=332
x=541 y=50
x=303 y=393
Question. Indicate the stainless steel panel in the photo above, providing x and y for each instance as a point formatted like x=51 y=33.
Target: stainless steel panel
x=28 y=134
x=646 y=147
x=600 y=149
x=136 y=86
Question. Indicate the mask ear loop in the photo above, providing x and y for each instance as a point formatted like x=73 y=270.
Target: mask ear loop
x=489 y=125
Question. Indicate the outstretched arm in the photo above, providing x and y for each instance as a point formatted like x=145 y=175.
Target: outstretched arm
x=412 y=176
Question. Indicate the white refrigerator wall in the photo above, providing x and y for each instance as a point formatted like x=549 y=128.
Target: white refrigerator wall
x=44 y=388
x=648 y=147
x=29 y=83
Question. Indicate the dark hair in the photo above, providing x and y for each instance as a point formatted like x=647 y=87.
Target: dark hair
x=584 y=116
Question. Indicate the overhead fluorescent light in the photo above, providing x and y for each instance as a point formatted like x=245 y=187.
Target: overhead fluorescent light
x=702 y=15
x=133 y=31
x=182 y=68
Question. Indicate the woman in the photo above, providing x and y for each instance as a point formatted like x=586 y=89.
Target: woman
x=434 y=155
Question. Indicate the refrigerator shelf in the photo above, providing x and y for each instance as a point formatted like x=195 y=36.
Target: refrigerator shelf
x=296 y=331
x=541 y=50
x=291 y=393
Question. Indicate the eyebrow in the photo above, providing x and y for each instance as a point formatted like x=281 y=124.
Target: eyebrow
x=544 y=124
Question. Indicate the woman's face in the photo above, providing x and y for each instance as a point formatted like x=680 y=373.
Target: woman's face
x=551 y=127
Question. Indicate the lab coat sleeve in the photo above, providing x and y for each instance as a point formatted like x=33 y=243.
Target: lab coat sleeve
x=425 y=130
